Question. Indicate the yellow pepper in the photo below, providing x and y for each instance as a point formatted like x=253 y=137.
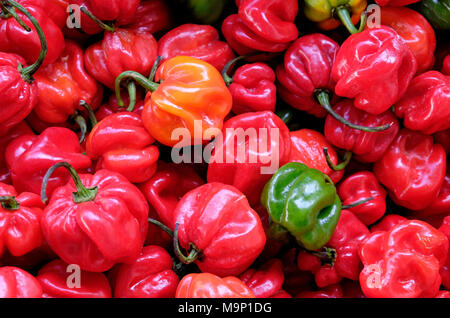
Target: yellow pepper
x=329 y=14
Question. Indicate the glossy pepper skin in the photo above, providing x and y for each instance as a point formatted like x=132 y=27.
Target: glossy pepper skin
x=112 y=106
x=323 y=12
x=445 y=270
x=150 y=276
x=306 y=69
x=245 y=42
x=412 y=169
x=375 y=68
x=261 y=25
x=360 y=186
x=403 y=262
x=20 y=229
x=151 y=16
x=55 y=276
x=120 y=143
x=247 y=163
x=271 y=19
x=388 y=222
x=225 y=229
x=424 y=106
x=307 y=148
x=167 y=186
x=415 y=30
x=18 y=96
x=16 y=283
x=440 y=207
x=191 y=90
x=345 y=241
x=206 y=285
x=253 y=89
x=19 y=130
x=366 y=146
x=198 y=41
x=303 y=202
x=63 y=84
x=15 y=39
x=265 y=281
x=119 y=51
x=121 y=12
x=97 y=232
x=395 y=3
x=30 y=156
x=436 y=11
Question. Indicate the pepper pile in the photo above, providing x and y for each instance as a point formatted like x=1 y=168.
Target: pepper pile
x=222 y=149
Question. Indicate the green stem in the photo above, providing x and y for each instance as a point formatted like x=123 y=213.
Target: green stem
x=27 y=72
x=100 y=23
x=91 y=113
x=8 y=12
x=139 y=78
x=81 y=122
x=161 y=226
x=226 y=78
x=327 y=255
x=349 y=206
x=9 y=203
x=132 y=94
x=344 y=15
x=342 y=165
x=82 y=194
x=194 y=253
x=155 y=68
x=324 y=99
x=285 y=114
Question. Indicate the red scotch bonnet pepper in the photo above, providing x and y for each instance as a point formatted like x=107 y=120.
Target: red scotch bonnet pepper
x=30 y=156
x=94 y=221
x=55 y=279
x=269 y=145
x=362 y=70
x=261 y=25
x=252 y=87
x=122 y=144
x=219 y=229
x=199 y=41
x=20 y=214
x=403 y=261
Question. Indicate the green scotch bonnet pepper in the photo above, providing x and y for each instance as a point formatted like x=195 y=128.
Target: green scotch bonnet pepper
x=302 y=202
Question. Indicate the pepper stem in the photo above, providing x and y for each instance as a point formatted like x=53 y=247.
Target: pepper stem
x=8 y=12
x=344 y=15
x=82 y=194
x=342 y=165
x=81 y=122
x=161 y=226
x=323 y=98
x=360 y=202
x=9 y=203
x=132 y=93
x=155 y=68
x=327 y=255
x=27 y=72
x=286 y=115
x=91 y=114
x=100 y=23
x=226 y=78
x=139 y=78
x=194 y=253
